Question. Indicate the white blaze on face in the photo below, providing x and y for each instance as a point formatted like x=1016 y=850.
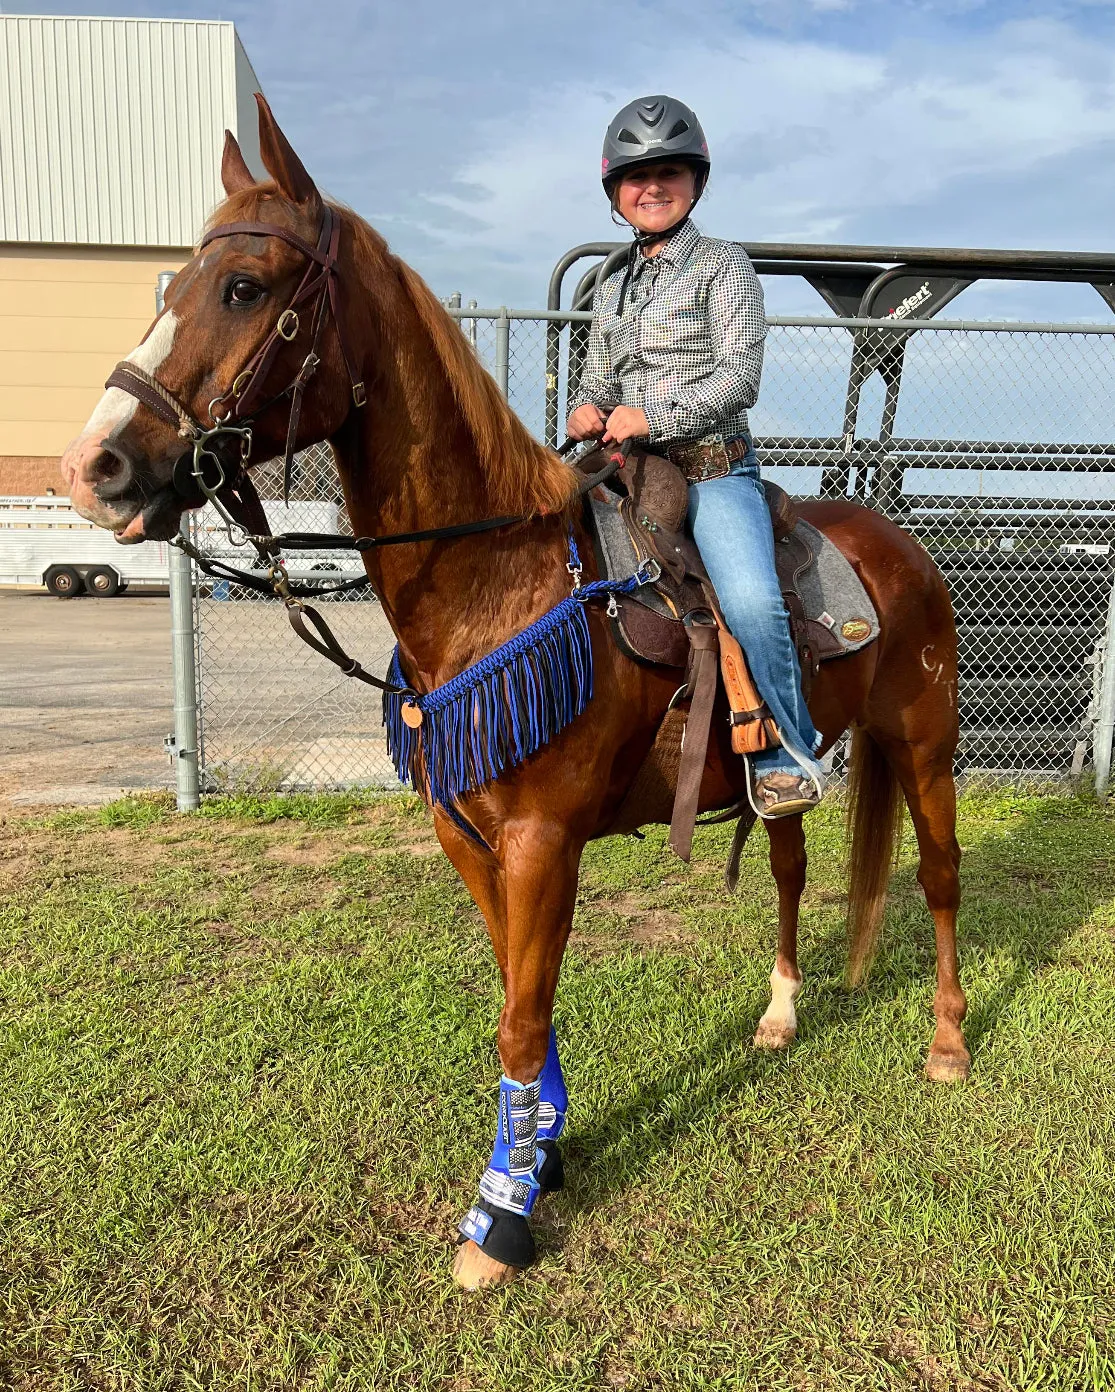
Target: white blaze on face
x=116 y=408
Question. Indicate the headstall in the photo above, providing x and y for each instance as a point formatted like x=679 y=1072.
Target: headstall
x=201 y=473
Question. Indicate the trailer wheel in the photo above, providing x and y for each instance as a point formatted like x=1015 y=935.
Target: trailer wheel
x=63 y=581
x=102 y=581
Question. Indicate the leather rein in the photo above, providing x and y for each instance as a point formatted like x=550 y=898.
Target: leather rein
x=201 y=474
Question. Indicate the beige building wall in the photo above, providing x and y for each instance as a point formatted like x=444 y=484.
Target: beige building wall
x=67 y=316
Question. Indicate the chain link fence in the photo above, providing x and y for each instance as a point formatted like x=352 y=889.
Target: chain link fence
x=994 y=444
x=271 y=713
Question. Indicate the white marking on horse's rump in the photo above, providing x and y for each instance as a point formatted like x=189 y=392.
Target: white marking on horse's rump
x=938 y=670
x=116 y=408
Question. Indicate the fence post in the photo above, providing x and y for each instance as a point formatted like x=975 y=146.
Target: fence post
x=183 y=743
x=1104 y=731
x=503 y=350
x=553 y=367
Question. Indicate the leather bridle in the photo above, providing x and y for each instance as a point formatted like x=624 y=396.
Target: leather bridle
x=233 y=412
x=201 y=473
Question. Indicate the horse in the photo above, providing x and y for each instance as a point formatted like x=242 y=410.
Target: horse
x=424 y=439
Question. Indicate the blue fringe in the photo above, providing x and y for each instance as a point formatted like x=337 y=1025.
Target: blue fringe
x=505 y=707
x=498 y=712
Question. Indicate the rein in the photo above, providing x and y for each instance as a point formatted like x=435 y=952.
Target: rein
x=292 y=594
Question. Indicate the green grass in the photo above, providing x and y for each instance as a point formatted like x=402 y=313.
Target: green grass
x=247 y=1085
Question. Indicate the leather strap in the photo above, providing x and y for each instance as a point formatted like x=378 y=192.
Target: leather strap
x=261 y=229
x=747 y=819
x=139 y=383
x=703 y=639
x=700 y=462
x=326 y=644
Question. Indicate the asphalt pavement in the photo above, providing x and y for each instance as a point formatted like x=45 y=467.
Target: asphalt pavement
x=85 y=697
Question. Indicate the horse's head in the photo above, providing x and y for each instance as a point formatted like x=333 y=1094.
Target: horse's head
x=219 y=311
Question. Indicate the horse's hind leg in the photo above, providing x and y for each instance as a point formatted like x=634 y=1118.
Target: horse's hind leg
x=925 y=772
x=787 y=862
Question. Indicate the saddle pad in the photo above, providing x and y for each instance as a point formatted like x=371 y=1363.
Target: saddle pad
x=831 y=591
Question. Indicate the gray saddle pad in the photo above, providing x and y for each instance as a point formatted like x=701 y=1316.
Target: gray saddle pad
x=830 y=590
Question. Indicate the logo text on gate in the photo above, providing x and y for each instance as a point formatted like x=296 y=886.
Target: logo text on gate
x=911 y=302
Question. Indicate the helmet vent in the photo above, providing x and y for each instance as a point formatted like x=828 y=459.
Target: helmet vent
x=678 y=128
x=628 y=137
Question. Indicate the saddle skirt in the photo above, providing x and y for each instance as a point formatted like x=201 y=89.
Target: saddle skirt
x=830 y=611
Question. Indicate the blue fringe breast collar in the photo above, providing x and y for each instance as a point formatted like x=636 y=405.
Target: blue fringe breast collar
x=499 y=711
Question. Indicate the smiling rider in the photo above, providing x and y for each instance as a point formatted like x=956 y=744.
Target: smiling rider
x=674 y=357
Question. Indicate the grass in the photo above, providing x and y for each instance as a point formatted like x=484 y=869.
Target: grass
x=247 y=1084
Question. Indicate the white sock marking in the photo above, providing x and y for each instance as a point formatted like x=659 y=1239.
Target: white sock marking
x=780 y=1014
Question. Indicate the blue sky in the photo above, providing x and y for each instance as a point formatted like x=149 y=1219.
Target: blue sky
x=470 y=134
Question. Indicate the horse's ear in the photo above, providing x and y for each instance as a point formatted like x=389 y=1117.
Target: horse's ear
x=235 y=174
x=279 y=158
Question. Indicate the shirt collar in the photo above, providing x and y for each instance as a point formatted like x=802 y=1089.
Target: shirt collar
x=678 y=247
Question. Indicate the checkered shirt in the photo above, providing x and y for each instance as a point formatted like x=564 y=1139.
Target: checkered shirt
x=689 y=347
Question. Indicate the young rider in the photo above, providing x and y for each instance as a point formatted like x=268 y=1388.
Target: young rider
x=674 y=357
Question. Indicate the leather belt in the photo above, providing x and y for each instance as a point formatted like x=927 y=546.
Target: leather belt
x=708 y=458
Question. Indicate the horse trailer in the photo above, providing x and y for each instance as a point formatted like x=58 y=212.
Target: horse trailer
x=43 y=541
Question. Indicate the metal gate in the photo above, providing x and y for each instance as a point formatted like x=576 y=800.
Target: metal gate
x=994 y=443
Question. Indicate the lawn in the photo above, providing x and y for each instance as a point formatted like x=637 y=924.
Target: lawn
x=249 y=1077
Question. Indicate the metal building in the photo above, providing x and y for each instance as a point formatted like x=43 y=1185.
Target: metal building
x=110 y=141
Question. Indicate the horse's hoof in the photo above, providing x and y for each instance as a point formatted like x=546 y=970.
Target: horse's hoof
x=948 y=1068
x=508 y=1246
x=772 y=1035
x=473 y=1268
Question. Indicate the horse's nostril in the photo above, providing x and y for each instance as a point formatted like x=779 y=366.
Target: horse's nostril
x=109 y=473
x=104 y=467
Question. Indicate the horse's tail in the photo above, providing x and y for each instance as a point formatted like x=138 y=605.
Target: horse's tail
x=874 y=823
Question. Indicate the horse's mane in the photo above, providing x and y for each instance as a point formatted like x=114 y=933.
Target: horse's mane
x=523 y=476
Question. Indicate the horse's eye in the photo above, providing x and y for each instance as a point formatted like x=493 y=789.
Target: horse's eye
x=243 y=291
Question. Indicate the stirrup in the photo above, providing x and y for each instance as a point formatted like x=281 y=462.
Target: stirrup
x=796 y=793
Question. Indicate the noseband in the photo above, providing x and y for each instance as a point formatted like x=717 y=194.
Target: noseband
x=202 y=474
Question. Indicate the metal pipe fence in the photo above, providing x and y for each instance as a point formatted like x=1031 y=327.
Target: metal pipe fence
x=993 y=443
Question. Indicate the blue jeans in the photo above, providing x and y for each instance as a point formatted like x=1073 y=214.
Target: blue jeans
x=730 y=522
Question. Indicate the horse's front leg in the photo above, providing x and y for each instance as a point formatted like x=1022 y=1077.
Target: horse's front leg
x=527 y=895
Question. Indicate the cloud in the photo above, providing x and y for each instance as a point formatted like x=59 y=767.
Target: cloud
x=811 y=142
x=473 y=142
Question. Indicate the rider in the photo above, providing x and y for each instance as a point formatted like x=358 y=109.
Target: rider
x=674 y=357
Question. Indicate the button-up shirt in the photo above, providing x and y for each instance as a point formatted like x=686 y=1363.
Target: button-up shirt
x=688 y=348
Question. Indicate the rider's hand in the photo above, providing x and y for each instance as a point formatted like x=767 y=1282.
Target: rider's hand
x=585 y=423
x=626 y=423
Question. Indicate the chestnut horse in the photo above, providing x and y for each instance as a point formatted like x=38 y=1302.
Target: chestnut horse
x=436 y=444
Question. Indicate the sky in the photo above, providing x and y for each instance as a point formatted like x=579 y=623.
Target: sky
x=470 y=134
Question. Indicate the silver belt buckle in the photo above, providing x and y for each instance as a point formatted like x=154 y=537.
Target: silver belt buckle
x=710 y=459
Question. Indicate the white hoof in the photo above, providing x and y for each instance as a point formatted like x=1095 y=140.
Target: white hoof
x=774 y=1034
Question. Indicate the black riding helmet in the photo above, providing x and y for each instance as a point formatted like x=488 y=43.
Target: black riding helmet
x=652 y=130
